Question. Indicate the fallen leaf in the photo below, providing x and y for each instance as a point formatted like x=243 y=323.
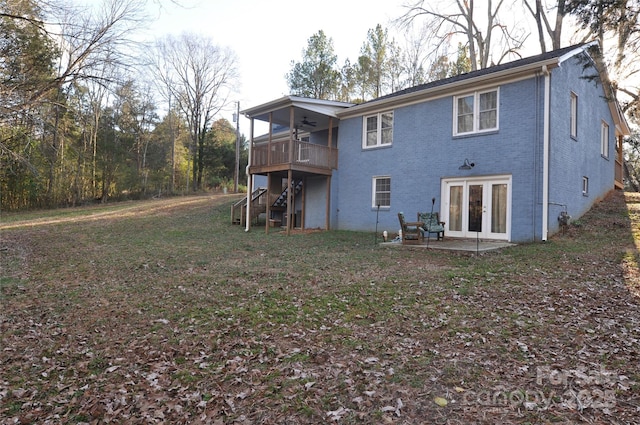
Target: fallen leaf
x=442 y=402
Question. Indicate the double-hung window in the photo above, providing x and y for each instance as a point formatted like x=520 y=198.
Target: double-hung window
x=573 y=124
x=381 y=192
x=604 y=140
x=378 y=130
x=476 y=112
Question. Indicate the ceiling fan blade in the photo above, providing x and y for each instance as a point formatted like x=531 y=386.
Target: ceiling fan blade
x=307 y=122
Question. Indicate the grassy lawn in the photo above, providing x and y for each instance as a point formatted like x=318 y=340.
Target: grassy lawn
x=164 y=312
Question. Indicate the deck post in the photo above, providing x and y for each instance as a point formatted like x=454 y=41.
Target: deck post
x=327 y=223
x=292 y=124
x=327 y=219
x=268 y=211
x=303 y=197
x=289 y=200
x=269 y=141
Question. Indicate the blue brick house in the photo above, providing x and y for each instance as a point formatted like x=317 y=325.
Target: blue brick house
x=500 y=153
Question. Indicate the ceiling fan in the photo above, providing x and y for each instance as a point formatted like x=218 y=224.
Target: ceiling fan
x=307 y=122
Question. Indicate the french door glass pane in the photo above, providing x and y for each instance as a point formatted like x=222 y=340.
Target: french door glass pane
x=475 y=208
x=455 y=208
x=499 y=208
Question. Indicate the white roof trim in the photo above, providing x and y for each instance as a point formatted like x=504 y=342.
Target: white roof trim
x=325 y=107
x=485 y=80
x=576 y=51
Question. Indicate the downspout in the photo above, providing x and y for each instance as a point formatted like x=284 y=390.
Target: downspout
x=249 y=190
x=545 y=152
x=249 y=179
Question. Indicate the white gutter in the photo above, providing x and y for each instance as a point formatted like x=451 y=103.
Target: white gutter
x=249 y=189
x=545 y=152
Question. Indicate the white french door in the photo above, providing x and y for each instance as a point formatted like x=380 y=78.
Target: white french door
x=477 y=207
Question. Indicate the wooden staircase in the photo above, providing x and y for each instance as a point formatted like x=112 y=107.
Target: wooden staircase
x=239 y=209
x=281 y=200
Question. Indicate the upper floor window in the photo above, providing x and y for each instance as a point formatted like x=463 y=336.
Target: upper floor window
x=378 y=130
x=604 y=140
x=381 y=193
x=574 y=115
x=476 y=112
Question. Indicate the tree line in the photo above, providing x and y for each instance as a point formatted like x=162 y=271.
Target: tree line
x=383 y=67
x=87 y=114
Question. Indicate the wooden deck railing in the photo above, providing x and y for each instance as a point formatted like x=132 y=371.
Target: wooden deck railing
x=619 y=173
x=304 y=154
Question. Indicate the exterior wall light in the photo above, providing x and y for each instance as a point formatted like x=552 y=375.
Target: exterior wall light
x=467 y=165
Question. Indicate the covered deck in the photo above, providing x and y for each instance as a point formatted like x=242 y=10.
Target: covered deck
x=300 y=143
x=293 y=154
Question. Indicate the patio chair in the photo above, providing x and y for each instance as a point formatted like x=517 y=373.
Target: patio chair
x=432 y=224
x=411 y=231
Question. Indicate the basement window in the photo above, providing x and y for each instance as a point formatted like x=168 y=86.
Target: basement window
x=381 y=193
x=585 y=186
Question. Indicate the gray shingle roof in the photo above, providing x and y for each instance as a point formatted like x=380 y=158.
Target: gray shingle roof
x=482 y=72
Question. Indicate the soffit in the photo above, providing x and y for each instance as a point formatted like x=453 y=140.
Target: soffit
x=304 y=109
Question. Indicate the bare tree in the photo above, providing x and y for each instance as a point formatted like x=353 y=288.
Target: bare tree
x=396 y=67
x=416 y=55
x=487 y=37
x=540 y=13
x=85 y=39
x=200 y=76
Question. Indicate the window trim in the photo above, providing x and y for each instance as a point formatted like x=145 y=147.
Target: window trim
x=476 y=112
x=573 y=116
x=378 y=116
x=374 y=192
x=585 y=186
x=604 y=139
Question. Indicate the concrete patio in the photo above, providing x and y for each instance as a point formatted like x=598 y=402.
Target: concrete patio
x=455 y=244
